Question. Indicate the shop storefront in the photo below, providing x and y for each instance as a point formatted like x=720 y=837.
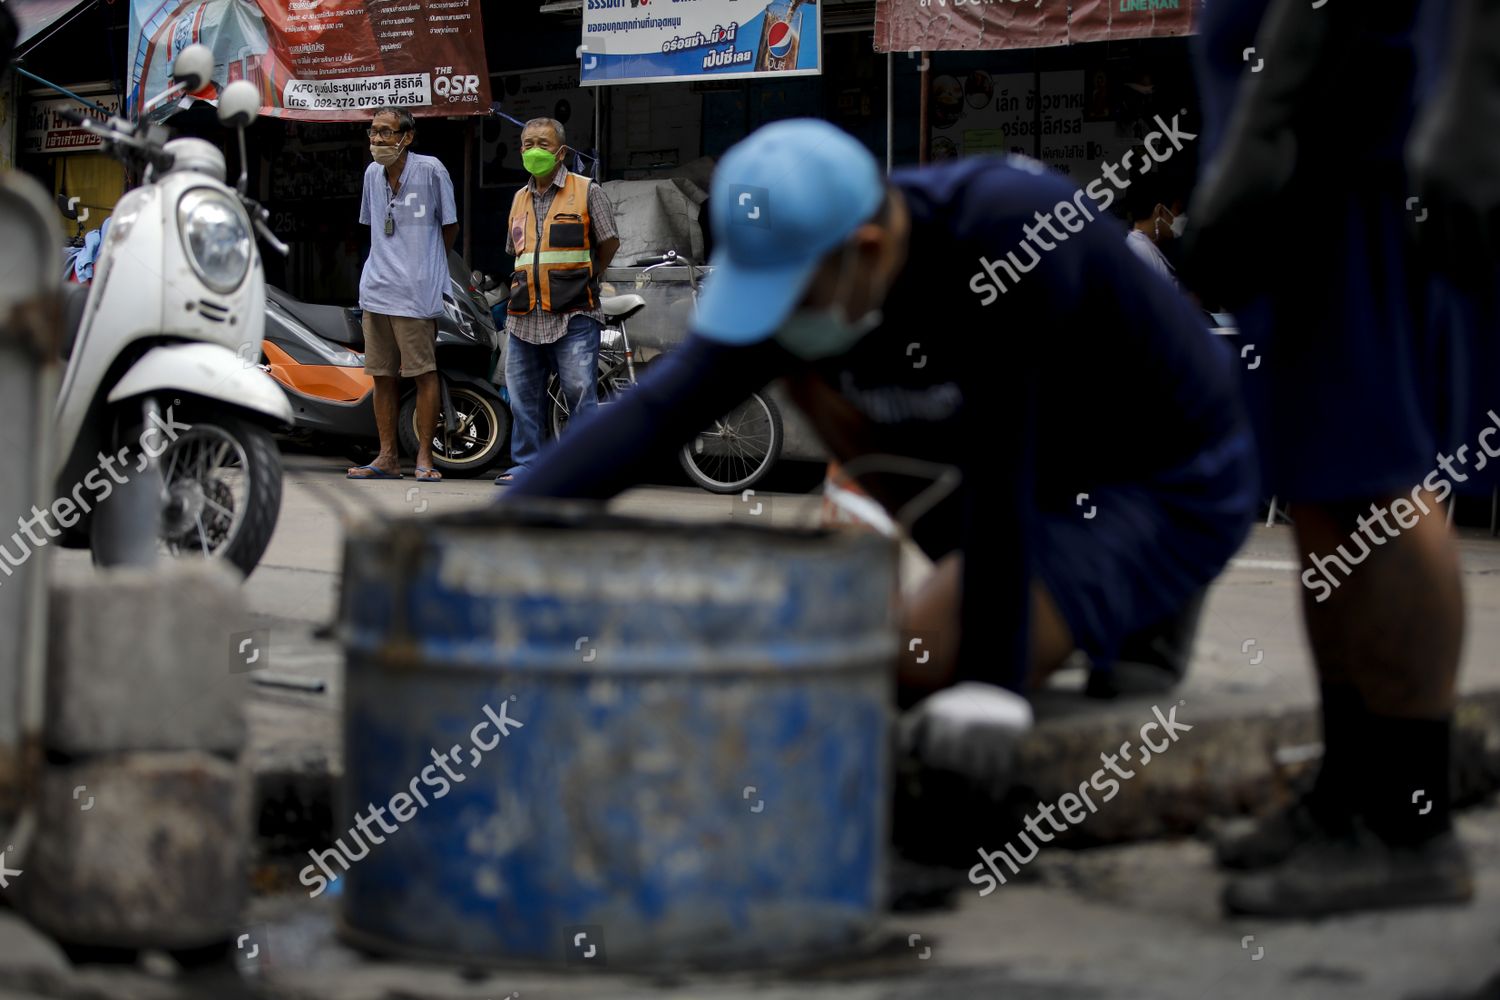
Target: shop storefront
x=69 y=159
x=1073 y=85
x=68 y=43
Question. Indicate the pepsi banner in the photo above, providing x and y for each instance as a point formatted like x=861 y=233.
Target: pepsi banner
x=656 y=41
x=948 y=25
x=320 y=60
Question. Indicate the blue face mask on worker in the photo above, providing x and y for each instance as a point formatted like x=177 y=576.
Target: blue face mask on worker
x=814 y=334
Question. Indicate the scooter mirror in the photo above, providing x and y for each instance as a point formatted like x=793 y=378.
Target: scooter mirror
x=193 y=67
x=239 y=104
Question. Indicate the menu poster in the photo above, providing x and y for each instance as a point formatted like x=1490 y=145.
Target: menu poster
x=320 y=60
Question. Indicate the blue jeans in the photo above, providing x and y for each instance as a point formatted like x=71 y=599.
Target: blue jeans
x=575 y=359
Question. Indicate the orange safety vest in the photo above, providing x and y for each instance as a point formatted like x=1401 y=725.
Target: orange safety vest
x=556 y=274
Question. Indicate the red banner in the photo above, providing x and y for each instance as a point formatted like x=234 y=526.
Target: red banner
x=951 y=25
x=322 y=60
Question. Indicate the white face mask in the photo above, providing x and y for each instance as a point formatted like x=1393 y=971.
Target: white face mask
x=1179 y=223
x=386 y=155
x=815 y=334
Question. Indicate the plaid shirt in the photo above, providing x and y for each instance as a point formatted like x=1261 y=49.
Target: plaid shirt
x=540 y=326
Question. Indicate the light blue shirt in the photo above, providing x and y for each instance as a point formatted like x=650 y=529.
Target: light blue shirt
x=407 y=271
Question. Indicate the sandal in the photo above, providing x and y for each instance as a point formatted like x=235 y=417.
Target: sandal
x=370 y=472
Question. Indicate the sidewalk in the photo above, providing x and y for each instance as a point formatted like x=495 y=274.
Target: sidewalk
x=1249 y=696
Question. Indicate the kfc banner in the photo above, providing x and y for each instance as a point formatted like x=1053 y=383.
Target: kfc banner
x=321 y=60
x=947 y=25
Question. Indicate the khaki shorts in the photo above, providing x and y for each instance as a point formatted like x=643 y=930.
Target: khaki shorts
x=401 y=343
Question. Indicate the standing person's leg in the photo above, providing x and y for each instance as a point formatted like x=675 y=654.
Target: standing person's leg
x=428 y=398
x=387 y=410
x=526 y=369
x=382 y=363
x=1386 y=640
x=577 y=359
x=418 y=342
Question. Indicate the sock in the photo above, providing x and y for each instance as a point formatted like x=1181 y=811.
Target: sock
x=1343 y=714
x=1404 y=791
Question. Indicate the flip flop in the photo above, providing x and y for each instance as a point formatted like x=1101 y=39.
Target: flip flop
x=504 y=479
x=374 y=473
x=432 y=475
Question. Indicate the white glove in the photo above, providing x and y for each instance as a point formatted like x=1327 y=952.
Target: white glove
x=969 y=729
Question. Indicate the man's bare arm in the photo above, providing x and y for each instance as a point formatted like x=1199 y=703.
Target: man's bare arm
x=450 y=233
x=605 y=253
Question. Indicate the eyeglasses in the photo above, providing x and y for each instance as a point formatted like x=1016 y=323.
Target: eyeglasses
x=385 y=133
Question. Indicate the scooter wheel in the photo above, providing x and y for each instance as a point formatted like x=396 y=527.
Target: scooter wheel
x=223 y=477
x=478 y=441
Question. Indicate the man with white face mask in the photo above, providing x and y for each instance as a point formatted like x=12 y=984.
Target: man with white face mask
x=1152 y=228
x=1106 y=469
x=408 y=205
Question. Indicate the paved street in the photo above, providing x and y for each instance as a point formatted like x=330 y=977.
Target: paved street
x=1129 y=921
x=1250 y=644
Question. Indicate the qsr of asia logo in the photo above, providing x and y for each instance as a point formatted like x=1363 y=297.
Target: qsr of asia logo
x=459 y=87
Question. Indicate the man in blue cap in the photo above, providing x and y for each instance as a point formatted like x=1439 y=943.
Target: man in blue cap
x=1107 y=472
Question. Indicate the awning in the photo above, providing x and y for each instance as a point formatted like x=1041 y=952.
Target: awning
x=40 y=18
x=948 y=25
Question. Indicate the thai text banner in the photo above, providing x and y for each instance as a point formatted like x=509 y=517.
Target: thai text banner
x=648 y=41
x=948 y=25
x=321 y=60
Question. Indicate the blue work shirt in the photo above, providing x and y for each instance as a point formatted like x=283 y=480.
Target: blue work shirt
x=1091 y=371
x=407 y=271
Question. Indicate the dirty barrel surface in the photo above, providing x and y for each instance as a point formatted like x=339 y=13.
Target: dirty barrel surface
x=607 y=741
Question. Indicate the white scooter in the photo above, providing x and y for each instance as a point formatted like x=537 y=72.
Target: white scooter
x=164 y=417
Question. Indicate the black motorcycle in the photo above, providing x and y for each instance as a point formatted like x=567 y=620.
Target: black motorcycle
x=316 y=354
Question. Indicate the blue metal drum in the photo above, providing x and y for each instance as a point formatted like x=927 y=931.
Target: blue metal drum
x=595 y=740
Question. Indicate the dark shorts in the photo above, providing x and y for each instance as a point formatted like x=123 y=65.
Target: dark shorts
x=1148 y=548
x=1370 y=367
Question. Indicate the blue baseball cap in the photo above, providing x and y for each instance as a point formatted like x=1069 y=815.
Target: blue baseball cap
x=781 y=200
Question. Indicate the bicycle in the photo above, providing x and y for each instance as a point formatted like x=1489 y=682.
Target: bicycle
x=729 y=456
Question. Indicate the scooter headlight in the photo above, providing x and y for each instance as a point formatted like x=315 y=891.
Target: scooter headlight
x=217 y=237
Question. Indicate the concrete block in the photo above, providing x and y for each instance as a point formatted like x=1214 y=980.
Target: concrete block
x=138 y=850
x=145 y=660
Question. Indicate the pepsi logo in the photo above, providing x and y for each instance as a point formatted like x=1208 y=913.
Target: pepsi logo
x=779 y=43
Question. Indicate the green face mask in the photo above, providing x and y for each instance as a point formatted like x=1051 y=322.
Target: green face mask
x=538 y=162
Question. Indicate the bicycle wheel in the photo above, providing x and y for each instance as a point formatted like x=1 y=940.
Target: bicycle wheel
x=613 y=377
x=738 y=449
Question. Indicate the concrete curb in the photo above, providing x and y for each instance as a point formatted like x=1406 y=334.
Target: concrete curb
x=1232 y=762
x=1238 y=758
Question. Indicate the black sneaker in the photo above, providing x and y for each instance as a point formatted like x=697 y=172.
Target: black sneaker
x=1356 y=871
x=1256 y=842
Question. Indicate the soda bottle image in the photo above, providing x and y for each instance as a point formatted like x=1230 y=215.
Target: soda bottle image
x=780 y=36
